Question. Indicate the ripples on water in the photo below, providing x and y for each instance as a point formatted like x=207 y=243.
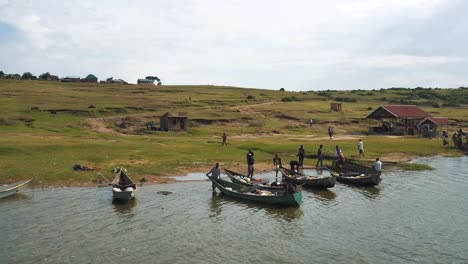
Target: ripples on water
x=418 y=217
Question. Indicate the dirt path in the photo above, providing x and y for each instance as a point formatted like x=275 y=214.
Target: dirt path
x=98 y=125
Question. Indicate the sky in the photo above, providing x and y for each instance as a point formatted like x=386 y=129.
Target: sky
x=299 y=45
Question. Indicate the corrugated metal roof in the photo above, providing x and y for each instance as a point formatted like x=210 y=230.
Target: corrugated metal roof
x=398 y=111
x=436 y=120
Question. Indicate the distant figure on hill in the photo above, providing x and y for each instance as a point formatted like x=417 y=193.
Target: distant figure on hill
x=319 y=156
x=361 y=148
x=300 y=155
x=250 y=163
x=224 y=139
x=330 y=132
x=377 y=165
x=294 y=165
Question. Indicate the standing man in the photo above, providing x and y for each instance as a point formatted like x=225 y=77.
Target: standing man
x=224 y=139
x=377 y=165
x=215 y=173
x=360 y=147
x=277 y=163
x=301 y=154
x=320 y=156
x=250 y=164
x=330 y=132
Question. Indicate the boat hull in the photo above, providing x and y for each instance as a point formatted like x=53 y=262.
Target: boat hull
x=291 y=177
x=123 y=195
x=13 y=188
x=233 y=177
x=237 y=191
x=369 y=178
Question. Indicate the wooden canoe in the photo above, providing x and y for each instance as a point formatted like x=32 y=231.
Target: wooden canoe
x=236 y=177
x=248 y=193
x=123 y=188
x=363 y=177
x=306 y=180
x=10 y=189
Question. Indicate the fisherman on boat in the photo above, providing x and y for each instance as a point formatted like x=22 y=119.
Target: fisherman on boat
x=215 y=172
x=277 y=163
x=294 y=165
x=250 y=164
x=377 y=165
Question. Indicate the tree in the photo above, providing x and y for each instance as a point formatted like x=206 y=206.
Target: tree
x=282 y=89
x=27 y=76
x=154 y=78
x=44 y=76
x=2 y=74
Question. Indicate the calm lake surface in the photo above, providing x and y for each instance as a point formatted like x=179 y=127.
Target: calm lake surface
x=411 y=217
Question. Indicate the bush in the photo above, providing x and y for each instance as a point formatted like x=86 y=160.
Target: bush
x=369 y=108
x=345 y=99
x=282 y=89
x=250 y=97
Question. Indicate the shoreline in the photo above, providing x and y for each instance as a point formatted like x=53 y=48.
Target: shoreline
x=168 y=179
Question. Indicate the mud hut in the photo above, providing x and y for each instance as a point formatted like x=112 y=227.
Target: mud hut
x=173 y=121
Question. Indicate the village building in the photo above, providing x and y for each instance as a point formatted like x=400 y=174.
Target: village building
x=173 y=121
x=434 y=127
x=90 y=78
x=143 y=81
x=71 y=79
x=337 y=107
x=396 y=119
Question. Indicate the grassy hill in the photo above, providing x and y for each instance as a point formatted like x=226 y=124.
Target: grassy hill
x=46 y=127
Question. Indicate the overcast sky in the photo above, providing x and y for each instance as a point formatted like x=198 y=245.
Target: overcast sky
x=299 y=45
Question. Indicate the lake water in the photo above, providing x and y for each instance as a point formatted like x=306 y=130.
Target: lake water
x=411 y=217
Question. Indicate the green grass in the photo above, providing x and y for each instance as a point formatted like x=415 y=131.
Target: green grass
x=49 y=146
x=414 y=166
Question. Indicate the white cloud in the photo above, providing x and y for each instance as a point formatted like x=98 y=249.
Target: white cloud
x=224 y=42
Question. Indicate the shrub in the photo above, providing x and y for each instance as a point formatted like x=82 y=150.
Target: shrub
x=250 y=97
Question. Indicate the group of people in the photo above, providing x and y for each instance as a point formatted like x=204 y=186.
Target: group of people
x=338 y=160
x=457 y=139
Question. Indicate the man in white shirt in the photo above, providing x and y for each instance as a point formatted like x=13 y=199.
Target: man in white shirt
x=377 y=165
x=361 y=148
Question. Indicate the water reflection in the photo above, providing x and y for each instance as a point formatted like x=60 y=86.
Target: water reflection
x=286 y=213
x=322 y=194
x=124 y=208
x=371 y=192
x=216 y=203
x=15 y=197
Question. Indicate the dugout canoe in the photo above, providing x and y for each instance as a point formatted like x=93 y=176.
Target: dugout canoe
x=123 y=188
x=238 y=178
x=251 y=194
x=307 y=180
x=363 y=177
x=10 y=189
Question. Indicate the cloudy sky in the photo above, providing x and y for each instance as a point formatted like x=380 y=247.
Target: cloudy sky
x=296 y=44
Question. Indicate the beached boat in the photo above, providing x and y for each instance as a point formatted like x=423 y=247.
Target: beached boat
x=243 y=180
x=308 y=181
x=356 y=174
x=123 y=188
x=285 y=198
x=9 y=189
